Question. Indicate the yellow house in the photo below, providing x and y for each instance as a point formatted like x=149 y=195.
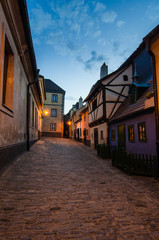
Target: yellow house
x=53 y=121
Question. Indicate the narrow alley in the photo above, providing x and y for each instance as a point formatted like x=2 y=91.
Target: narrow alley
x=62 y=190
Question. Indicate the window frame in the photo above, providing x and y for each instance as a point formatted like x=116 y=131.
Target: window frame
x=131 y=133
x=54 y=95
x=53 y=127
x=142 y=124
x=53 y=109
x=8 y=75
x=94 y=104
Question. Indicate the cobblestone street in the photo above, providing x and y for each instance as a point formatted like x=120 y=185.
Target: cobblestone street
x=62 y=190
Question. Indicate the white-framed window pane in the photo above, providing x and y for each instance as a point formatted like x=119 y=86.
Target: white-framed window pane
x=52 y=126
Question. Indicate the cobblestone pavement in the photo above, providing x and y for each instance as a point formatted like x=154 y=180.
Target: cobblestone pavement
x=62 y=190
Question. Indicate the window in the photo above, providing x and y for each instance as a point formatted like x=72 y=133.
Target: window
x=8 y=75
x=84 y=117
x=52 y=126
x=134 y=95
x=53 y=112
x=94 y=104
x=80 y=132
x=125 y=78
x=142 y=132
x=101 y=135
x=131 y=134
x=54 y=98
x=113 y=135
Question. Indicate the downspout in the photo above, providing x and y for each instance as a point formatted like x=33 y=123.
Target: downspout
x=28 y=109
x=156 y=104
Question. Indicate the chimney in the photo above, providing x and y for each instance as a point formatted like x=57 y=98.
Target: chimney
x=103 y=70
x=80 y=102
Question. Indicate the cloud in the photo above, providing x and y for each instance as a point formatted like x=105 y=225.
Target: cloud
x=99 y=7
x=116 y=46
x=120 y=23
x=97 y=34
x=40 y=20
x=70 y=98
x=152 y=13
x=90 y=63
x=109 y=16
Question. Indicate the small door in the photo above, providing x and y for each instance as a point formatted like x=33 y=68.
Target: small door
x=95 y=138
x=121 y=137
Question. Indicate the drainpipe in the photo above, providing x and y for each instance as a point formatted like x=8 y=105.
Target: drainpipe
x=28 y=109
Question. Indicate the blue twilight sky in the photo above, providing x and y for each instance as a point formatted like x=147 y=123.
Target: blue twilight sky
x=72 y=38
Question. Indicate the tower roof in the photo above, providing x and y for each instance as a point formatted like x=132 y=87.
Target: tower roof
x=50 y=86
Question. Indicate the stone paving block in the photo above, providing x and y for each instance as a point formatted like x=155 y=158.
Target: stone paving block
x=62 y=190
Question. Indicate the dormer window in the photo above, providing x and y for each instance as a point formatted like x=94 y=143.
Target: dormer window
x=125 y=78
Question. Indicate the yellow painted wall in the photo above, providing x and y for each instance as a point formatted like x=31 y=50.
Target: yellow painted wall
x=48 y=105
x=155 y=50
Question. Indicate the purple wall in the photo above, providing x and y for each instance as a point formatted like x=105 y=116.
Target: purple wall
x=137 y=147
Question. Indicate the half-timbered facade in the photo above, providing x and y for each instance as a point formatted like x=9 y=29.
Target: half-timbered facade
x=132 y=127
x=104 y=99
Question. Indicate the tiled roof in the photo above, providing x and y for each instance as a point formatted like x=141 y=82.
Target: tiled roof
x=50 y=86
x=126 y=108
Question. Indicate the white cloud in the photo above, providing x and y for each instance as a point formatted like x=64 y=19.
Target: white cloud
x=152 y=13
x=40 y=20
x=109 y=16
x=102 y=42
x=97 y=34
x=99 y=7
x=120 y=23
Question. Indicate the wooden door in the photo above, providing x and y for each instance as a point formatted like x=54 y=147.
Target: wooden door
x=121 y=137
x=95 y=138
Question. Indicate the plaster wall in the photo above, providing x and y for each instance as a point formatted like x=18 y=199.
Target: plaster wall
x=13 y=123
x=148 y=147
x=48 y=105
x=102 y=127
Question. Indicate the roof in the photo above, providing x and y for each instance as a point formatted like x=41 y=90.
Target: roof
x=50 y=86
x=25 y=18
x=98 y=84
x=126 y=108
x=152 y=34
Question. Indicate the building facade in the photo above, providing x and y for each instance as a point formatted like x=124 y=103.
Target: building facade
x=104 y=99
x=21 y=94
x=53 y=122
x=133 y=126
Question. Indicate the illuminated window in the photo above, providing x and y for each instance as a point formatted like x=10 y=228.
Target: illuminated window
x=142 y=132
x=113 y=135
x=53 y=112
x=54 y=98
x=131 y=134
x=8 y=76
x=52 y=126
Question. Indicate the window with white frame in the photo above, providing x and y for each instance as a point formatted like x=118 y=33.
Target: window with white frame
x=52 y=126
